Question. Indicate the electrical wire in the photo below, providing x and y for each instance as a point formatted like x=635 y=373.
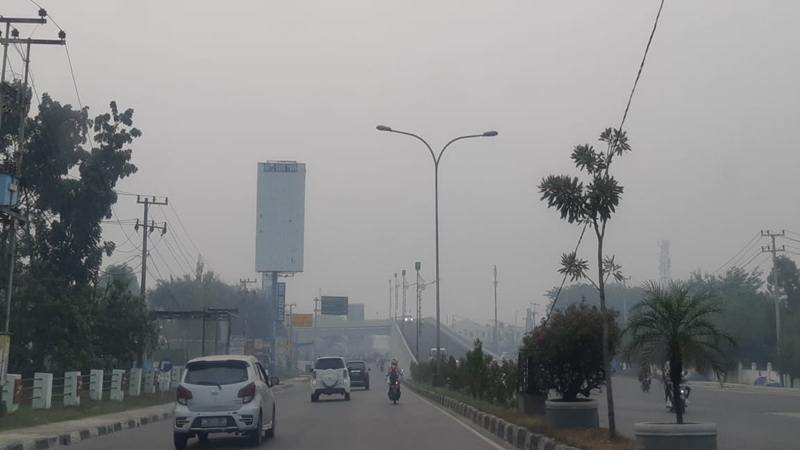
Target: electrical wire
x=188 y=236
x=746 y=246
x=72 y=72
x=564 y=280
x=175 y=238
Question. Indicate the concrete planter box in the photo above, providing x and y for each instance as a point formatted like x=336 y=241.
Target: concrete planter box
x=581 y=414
x=531 y=403
x=663 y=436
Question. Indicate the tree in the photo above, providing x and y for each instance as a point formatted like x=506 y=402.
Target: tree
x=567 y=350
x=122 y=274
x=747 y=314
x=784 y=280
x=591 y=205
x=476 y=367
x=672 y=325
x=66 y=191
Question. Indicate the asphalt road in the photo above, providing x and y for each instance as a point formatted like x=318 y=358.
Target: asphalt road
x=747 y=417
x=367 y=422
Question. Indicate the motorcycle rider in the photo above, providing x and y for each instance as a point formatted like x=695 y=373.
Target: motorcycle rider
x=395 y=372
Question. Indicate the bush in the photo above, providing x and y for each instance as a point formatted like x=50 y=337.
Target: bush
x=567 y=350
x=478 y=374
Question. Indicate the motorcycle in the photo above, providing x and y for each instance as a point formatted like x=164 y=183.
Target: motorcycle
x=646 y=384
x=684 y=399
x=394 y=391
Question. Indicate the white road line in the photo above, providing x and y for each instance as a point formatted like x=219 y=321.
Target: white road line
x=461 y=422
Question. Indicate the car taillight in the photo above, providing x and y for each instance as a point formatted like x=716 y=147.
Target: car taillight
x=183 y=395
x=247 y=393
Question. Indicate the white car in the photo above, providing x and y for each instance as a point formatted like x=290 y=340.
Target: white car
x=224 y=394
x=330 y=376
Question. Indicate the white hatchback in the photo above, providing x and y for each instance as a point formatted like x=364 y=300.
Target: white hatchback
x=224 y=394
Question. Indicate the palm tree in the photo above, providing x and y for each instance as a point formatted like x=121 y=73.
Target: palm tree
x=673 y=325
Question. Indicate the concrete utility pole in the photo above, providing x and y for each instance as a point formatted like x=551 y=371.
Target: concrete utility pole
x=417 y=267
x=314 y=342
x=774 y=250
x=389 y=313
x=148 y=228
x=494 y=332
x=405 y=288
x=396 y=299
x=291 y=334
x=11 y=211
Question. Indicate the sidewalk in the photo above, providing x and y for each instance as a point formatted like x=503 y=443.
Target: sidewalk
x=68 y=432
x=72 y=431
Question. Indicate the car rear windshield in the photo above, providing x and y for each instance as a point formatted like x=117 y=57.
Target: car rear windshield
x=216 y=372
x=329 y=363
x=356 y=365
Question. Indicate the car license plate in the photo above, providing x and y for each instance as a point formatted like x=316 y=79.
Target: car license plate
x=213 y=422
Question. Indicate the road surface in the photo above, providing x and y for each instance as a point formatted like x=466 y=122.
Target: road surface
x=367 y=422
x=747 y=417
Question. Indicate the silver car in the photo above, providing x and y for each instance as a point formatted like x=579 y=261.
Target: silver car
x=224 y=394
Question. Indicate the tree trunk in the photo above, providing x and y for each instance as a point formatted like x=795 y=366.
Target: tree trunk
x=601 y=284
x=676 y=376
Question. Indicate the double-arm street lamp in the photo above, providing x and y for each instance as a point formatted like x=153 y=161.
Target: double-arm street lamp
x=436 y=160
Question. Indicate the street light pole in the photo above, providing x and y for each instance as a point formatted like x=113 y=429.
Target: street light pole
x=436 y=160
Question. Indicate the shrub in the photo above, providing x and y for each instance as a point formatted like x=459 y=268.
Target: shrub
x=567 y=350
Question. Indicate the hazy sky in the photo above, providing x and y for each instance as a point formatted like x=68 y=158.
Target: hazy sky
x=219 y=86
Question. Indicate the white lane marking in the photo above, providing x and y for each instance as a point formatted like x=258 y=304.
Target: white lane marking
x=460 y=422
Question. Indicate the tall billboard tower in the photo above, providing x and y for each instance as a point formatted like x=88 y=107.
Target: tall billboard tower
x=280 y=230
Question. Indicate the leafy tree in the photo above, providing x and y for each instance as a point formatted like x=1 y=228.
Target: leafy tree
x=592 y=205
x=672 y=325
x=477 y=373
x=66 y=190
x=122 y=274
x=567 y=350
x=618 y=296
x=784 y=281
x=747 y=312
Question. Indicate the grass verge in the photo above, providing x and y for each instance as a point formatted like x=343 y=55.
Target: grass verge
x=586 y=439
x=26 y=417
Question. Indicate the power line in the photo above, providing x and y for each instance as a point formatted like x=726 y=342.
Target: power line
x=188 y=236
x=748 y=244
x=178 y=243
x=74 y=80
x=641 y=66
x=564 y=280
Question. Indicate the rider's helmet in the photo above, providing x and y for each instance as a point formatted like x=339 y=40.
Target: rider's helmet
x=394 y=362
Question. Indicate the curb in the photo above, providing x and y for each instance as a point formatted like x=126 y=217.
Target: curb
x=513 y=435
x=47 y=442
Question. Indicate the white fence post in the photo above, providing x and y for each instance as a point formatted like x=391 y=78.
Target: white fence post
x=96 y=384
x=164 y=381
x=12 y=403
x=71 y=382
x=42 y=390
x=149 y=381
x=117 y=393
x=135 y=382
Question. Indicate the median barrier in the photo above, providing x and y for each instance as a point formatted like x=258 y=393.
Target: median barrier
x=511 y=432
x=500 y=429
x=10 y=392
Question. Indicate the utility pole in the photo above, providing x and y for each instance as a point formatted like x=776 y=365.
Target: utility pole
x=405 y=288
x=24 y=102
x=314 y=342
x=418 y=266
x=774 y=250
x=389 y=313
x=243 y=282
x=396 y=299
x=291 y=334
x=148 y=228
x=494 y=333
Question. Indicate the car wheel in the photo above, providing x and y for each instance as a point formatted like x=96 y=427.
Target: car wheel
x=257 y=436
x=347 y=396
x=366 y=387
x=271 y=432
x=202 y=437
x=314 y=398
x=180 y=439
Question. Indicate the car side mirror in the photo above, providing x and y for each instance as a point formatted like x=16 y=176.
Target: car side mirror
x=275 y=381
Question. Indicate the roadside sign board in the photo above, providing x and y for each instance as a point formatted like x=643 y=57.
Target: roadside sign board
x=334 y=306
x=302 y=320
